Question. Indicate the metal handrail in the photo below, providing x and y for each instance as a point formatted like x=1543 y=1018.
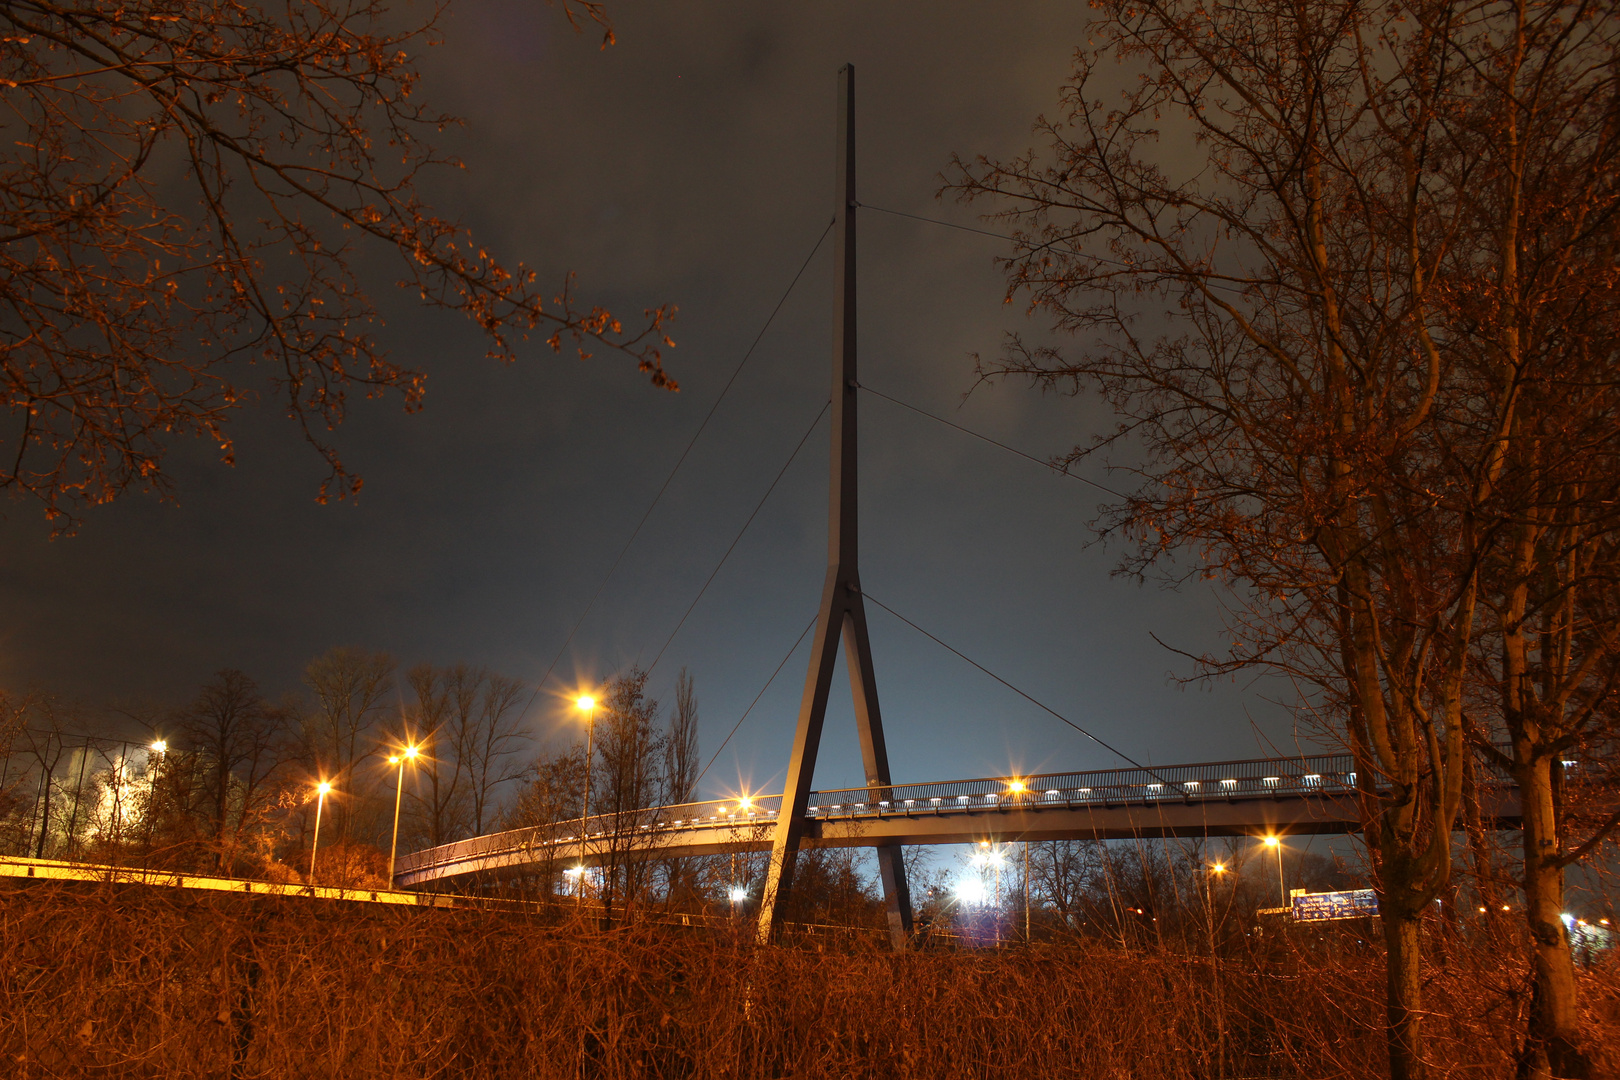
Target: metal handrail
x=1320 y=774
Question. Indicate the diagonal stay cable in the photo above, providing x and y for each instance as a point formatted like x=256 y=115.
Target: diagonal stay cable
x=1031 y=243
x=805 y=265
x=963 y=656
x=738 y=538
x=993 y=442
x=799 y=641
x=942 y=221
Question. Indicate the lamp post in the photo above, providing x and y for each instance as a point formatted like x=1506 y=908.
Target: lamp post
x=159 y=748
x=1216 y=870
x=1026 y=892
x=408 y=754
x=587 y=705
x=1275 y=844
x=320 y=805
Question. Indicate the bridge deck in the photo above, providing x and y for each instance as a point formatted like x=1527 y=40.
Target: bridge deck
x=1313 y=794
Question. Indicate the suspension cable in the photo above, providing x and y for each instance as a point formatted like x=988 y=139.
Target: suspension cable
x=597 y=595
x=797 y=642
x=1038 y=704
x=736 y=539
x=1061 y=471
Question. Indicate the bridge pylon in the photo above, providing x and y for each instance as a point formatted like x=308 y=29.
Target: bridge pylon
x=843 y=612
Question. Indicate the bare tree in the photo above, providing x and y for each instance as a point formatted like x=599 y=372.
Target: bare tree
x=45 y=743
x=681 y=760
x=240 y=744
x=492 y=754
x=629 y=748
x=351 y=688
x=472 y=733
x=680 y=776
x=188 y=186
x=16 y=794
x=550 y=791
x=1320 y=430
x=440 y=790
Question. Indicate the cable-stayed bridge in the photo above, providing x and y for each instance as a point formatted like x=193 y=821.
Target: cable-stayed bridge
x=1306 y=794
x=1263 y=796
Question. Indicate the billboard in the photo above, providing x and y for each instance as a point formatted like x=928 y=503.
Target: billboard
x=1323 y=906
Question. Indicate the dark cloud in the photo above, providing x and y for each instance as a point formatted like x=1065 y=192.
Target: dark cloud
x=690 y=163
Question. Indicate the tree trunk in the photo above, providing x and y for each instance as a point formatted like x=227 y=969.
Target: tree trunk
x=1403 y=972
x=1403 y=943
x=1551 y=1042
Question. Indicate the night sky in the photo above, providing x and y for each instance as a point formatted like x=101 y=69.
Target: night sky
x=691 y=163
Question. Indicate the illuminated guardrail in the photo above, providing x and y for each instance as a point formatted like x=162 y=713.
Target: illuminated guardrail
x=1314 y=775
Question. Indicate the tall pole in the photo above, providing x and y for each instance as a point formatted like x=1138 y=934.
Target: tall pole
x=1214 y=968
x=843 y=613
x=1026 y=892
x=158 y=748
x=73 y=818
x=409 y=753
x=585 y=821
x=320 y=805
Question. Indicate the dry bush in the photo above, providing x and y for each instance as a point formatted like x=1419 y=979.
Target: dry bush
x=136 y=982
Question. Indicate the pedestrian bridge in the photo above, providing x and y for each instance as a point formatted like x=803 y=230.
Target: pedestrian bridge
x=1314 y=794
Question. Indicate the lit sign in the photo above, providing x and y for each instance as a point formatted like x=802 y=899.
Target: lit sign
x=1323 y=906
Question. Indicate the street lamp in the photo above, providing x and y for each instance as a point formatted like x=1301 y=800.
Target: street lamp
x=1215 y=871
x=158 y=747
x=322 y=788
x=408 y=754
x=1275 y=844
x=587 y=705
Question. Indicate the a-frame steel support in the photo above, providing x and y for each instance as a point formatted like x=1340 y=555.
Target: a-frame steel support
x=843 y=613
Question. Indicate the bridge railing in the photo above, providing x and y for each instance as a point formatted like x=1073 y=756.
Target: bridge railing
x=642 y=830
x=629 y=829
x=1315 y=774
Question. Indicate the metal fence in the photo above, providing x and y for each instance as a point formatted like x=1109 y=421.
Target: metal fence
x=60 y=792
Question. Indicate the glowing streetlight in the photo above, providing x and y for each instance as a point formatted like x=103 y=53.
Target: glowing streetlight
x=159 y=747
x=587 y=705
x=408 y=754
x=320 y=805
x=1275 y=843
x=971 y=891
x=1016 y=787
x=1215 y=871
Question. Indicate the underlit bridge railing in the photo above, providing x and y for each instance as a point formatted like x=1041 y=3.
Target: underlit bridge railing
x=1319 y=775
x=1180 y=783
